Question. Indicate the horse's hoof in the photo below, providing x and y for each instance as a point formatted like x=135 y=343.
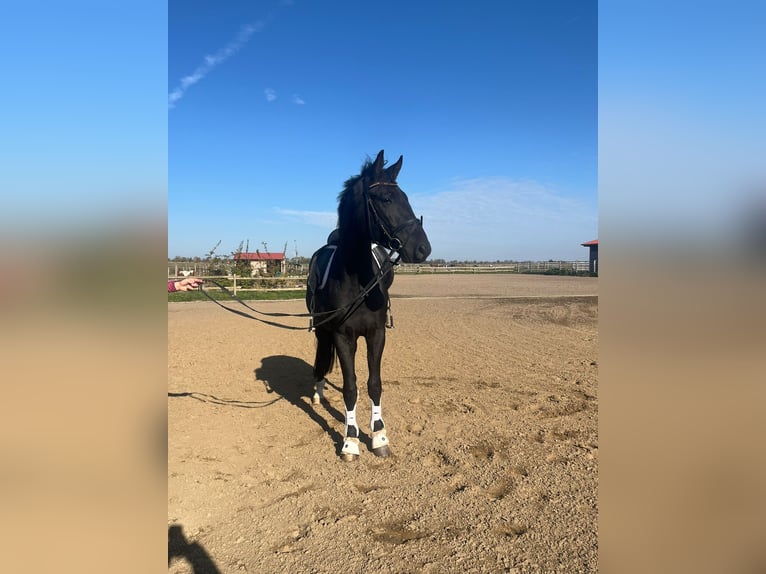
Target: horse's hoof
x=350 y=450
x=382 y=452
x=315 y=400
x=380 y=444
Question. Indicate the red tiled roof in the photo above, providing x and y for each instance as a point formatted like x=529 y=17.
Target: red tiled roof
x=589 y=243
x=258 y=256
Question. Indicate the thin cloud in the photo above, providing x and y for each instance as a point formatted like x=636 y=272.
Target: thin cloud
x=210 y=62
x=501 y=219
x=270 y=94
x=488 y=219
x=298 y=100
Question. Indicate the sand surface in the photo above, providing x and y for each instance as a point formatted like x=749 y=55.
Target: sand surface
x=490 y=397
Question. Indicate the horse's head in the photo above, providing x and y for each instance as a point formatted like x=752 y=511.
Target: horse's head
x=381 y=211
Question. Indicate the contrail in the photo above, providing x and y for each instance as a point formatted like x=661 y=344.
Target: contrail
x=210 y=62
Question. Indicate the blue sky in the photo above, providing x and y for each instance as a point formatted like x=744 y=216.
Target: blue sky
x=272 y=105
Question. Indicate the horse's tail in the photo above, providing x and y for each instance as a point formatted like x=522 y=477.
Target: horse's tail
x=325 y=356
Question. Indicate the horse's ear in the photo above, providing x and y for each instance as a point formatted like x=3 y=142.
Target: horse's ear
x=377 y=165
x=393 y=171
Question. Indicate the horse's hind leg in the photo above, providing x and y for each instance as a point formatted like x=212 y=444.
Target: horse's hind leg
x=346 y=349
x=375 y=344
x=323 y=363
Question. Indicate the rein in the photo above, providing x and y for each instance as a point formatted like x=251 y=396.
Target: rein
x=359 y=299
x=247 y=315
x=326 y=316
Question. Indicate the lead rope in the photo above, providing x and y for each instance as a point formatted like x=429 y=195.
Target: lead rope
x=328 y=316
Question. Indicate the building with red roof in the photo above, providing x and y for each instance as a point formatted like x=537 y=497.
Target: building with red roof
x=592 y=255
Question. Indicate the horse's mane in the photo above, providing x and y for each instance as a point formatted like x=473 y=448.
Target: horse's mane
x=346 y=196
x=348 y=185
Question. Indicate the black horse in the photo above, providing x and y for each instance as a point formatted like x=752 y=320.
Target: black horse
x=349 y=279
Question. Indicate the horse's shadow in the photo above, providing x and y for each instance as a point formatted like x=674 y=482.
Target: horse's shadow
x=191 y=552
x=293 y=380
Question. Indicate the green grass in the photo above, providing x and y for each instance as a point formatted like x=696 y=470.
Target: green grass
x=220 y=295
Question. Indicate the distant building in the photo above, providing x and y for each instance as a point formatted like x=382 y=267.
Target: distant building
x=593 y=255
x=263 y=263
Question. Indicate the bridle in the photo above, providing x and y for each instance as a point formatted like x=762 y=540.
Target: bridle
x=391 y=235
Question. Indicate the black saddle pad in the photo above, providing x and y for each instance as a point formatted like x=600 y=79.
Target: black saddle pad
x=319 y=268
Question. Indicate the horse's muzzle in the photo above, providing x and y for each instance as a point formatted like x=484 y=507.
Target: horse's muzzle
x=422 y=251
x=417 y=248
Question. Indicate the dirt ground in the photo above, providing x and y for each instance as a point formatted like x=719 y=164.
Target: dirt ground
x=490 y=397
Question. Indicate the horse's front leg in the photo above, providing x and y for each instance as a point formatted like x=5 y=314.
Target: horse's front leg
x=375 y=343
x=345 y=346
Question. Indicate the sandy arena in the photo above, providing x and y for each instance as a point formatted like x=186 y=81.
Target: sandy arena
x=490 y=397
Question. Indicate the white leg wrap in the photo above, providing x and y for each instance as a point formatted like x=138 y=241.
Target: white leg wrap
x=375 y=416
x=318 y=392
x=351 y=421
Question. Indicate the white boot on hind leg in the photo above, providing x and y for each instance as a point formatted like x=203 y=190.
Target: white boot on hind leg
x=318 y=392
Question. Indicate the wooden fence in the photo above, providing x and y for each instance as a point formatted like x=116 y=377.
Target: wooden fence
x=505 y=267
x=298 y=281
